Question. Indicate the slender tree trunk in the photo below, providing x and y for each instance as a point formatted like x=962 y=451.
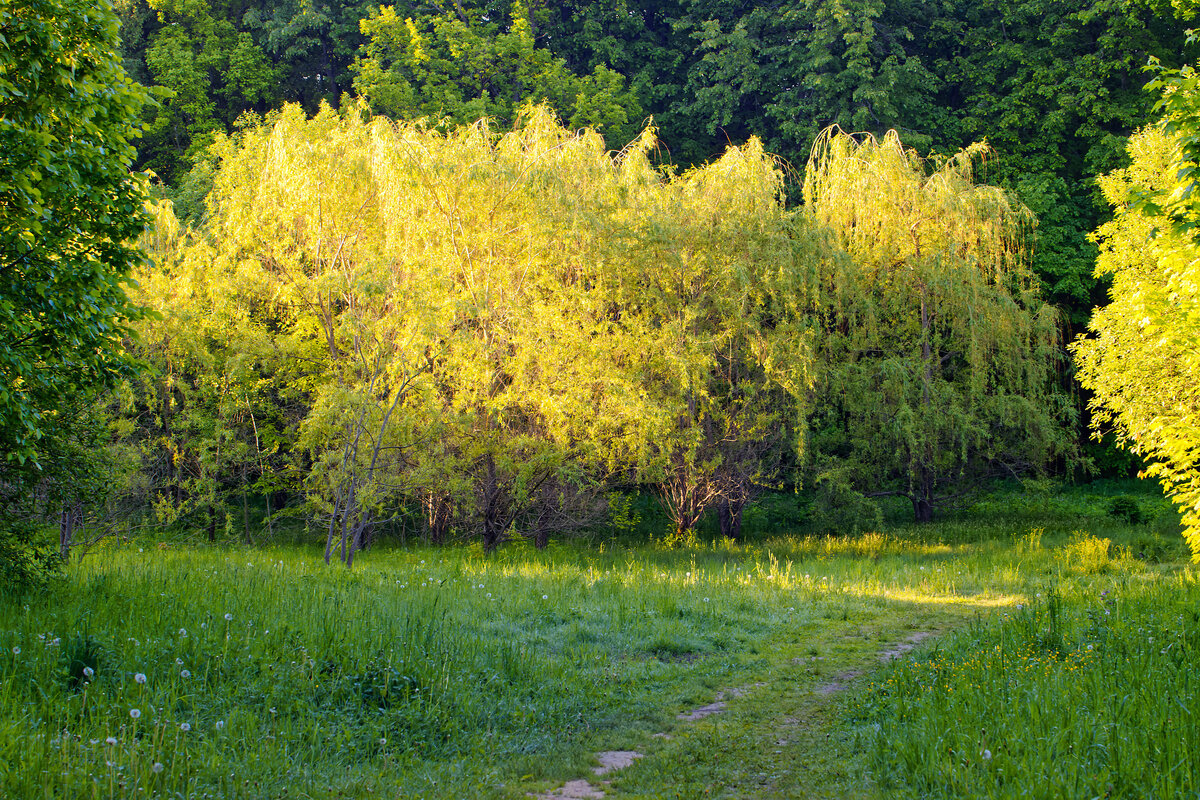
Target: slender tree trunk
x=246 y=513
x=923 y=501
x=490 y=507
x=730 y=515
x=437 y=517
x=70 y=520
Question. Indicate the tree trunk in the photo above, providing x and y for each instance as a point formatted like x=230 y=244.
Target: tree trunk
x=437 y=518
x=70 y=520
x=489 y=507
x=923 y=500
x=730 y=514
x=685 y=499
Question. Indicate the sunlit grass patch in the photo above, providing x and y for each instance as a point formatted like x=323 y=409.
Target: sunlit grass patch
x=1083 y=691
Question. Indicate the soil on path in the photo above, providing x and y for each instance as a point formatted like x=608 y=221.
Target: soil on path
x=614 y=760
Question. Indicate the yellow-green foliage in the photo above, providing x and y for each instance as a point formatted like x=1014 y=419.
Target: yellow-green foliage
x=938 y=360
x=1142 y=359
x=486 y=316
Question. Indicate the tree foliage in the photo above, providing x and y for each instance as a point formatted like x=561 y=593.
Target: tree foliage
x=1141 y=357
x=69 y=207
x=487 y=327
x=939 y=363
x=453 y=67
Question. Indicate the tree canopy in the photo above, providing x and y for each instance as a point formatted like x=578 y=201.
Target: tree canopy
x=939 y=362
x=69 y=211
x=1140 y=358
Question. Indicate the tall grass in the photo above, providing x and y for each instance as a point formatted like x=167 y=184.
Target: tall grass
x=454 y=673
x=1082 y=691
x=266 y=674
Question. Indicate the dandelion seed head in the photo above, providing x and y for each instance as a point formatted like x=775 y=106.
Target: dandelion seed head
x=185 y=727
x=16 y=651
x=229 y=617
x=135 y=713
x=185 y=674
x=157 y=768
x=110 y=740
x=139 y=677
x=88 y=672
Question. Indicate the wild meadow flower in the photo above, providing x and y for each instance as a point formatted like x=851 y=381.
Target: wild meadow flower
x=179 y=662
x=139 y=677
x=229 y=617
x=183 y=632
x=220 y=724
x=185 y=674
x=185 y=727
x=110 y=740
x=135 y=713
x=16 y=651
x=545 y=597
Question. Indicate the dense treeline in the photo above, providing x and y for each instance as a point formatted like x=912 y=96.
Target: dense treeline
x=439 y=304
x=1055 y=88
x=483 y=335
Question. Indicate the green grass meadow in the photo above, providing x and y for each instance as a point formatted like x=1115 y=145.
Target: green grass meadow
x=1065 y=633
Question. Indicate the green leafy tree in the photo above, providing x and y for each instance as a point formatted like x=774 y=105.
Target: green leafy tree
x=999 y=61
x=939 y=363
x=461 y=69
x=69 y=210
x=207 y=73
x=1140 y=359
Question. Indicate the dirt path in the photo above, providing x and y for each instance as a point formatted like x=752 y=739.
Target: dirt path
x=615 y=760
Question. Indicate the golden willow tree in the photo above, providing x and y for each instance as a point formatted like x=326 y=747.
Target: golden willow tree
x=938 y=364
x=1142 y=358
x=485 y=326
